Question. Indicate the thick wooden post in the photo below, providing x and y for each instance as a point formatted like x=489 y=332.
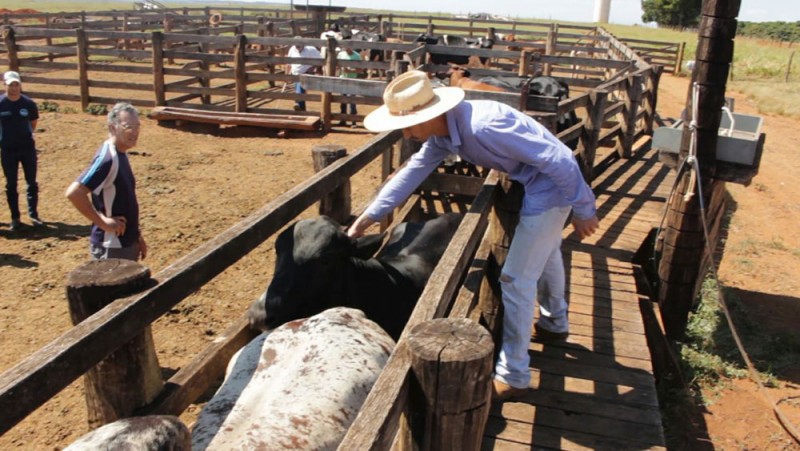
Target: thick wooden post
x=633 y=98
x=335 y=204
x=328 y=70
x=159 y=89
x=10 y=41
x=524 y=64
x=49 y=40
x=168 y=29
x=682 y=243
x=205 y=80
x=82 y=44
x=129 y=377
x=679 y=58
x=652 y=97
x=587 y=148
x=240 y=73
x=271 y=52
x=550 y=46
x=452 y=360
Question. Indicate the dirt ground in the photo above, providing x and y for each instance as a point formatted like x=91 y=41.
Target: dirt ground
x=194 y=184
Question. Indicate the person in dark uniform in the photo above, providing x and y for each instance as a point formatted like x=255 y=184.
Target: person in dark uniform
x=18 y=117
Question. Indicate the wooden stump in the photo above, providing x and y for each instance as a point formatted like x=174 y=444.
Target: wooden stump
x=336 y=204
x=130 y=377
x=452 y=360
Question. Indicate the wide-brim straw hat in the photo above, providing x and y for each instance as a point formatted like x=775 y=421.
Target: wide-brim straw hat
x=410 y=99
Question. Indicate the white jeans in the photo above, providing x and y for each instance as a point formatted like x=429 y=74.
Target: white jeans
x=533 y=269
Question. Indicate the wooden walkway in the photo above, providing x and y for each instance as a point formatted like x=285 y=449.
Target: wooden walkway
x=597 y=390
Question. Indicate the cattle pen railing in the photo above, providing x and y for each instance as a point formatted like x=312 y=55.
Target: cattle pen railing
x=161 y=59
x=463 y=284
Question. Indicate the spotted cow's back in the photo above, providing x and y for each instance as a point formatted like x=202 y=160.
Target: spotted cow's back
x=297 y=387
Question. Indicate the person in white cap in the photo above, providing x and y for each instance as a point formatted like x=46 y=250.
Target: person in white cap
x=493 y=135
x=18 y=117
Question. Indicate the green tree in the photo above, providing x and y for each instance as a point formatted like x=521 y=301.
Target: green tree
x=674 y=13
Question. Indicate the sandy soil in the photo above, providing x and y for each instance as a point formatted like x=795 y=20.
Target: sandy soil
x=193 y=185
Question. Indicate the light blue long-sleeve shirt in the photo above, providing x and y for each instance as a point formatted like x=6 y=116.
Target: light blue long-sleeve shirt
x=492 y=135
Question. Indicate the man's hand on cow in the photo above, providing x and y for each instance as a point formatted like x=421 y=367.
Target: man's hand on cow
x=585 y=227
x=359 y=226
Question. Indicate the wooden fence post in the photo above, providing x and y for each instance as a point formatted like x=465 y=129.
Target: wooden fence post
x=168 y=29
x=330 y=71
x=49 y=40
x=335 y=204
x=452 y=360
x=9 y=38
x=524 y=63
x=633 y=98
x=205 y=80
x=129 y=377
x=682 y=243
x=157 y=40
x=240 y=73
x=591 y=132
x=652 y=97
x=83 y=66
x=270 y=28
x=550 y=46
x=679 y=58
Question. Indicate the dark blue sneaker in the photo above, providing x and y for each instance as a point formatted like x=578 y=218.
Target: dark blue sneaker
x=36 y=221
x=15 y=225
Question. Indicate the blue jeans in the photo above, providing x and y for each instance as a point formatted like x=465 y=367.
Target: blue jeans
x=298 y=89
x=533 y=270
x=11 y=162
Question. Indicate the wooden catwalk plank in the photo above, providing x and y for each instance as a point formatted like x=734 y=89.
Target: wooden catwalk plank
x=596 y=390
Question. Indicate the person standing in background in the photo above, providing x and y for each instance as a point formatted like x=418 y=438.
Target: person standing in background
x=113 y=208
x=349 y=54
x=18 y=118
x=301 y=51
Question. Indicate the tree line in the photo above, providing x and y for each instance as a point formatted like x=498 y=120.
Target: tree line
x=686 y=14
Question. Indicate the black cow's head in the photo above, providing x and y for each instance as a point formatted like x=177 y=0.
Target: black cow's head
x=428 y=39
x=310 y=259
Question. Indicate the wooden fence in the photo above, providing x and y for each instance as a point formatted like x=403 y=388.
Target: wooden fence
x=463 y=285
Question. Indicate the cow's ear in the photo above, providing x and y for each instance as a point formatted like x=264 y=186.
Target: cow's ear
x=367 y=245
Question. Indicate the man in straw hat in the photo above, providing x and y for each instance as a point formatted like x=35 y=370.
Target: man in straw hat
x=493 y=135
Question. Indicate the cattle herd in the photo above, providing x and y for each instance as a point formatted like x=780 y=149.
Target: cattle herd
x=330 y=314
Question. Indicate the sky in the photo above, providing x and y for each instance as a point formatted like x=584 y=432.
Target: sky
x=626 y=12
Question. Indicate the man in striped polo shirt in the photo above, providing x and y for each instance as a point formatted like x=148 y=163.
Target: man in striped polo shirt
x=113 y=208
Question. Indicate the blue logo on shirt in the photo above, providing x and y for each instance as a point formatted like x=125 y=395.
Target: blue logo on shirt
x=23 y=112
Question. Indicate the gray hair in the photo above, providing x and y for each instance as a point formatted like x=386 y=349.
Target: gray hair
x=113 y=115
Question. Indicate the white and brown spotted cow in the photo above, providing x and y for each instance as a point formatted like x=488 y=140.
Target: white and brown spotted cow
x=298 y=387
x=153 y=432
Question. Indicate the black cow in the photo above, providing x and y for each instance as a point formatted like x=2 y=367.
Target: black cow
x=319 y=267
x=455 y=41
